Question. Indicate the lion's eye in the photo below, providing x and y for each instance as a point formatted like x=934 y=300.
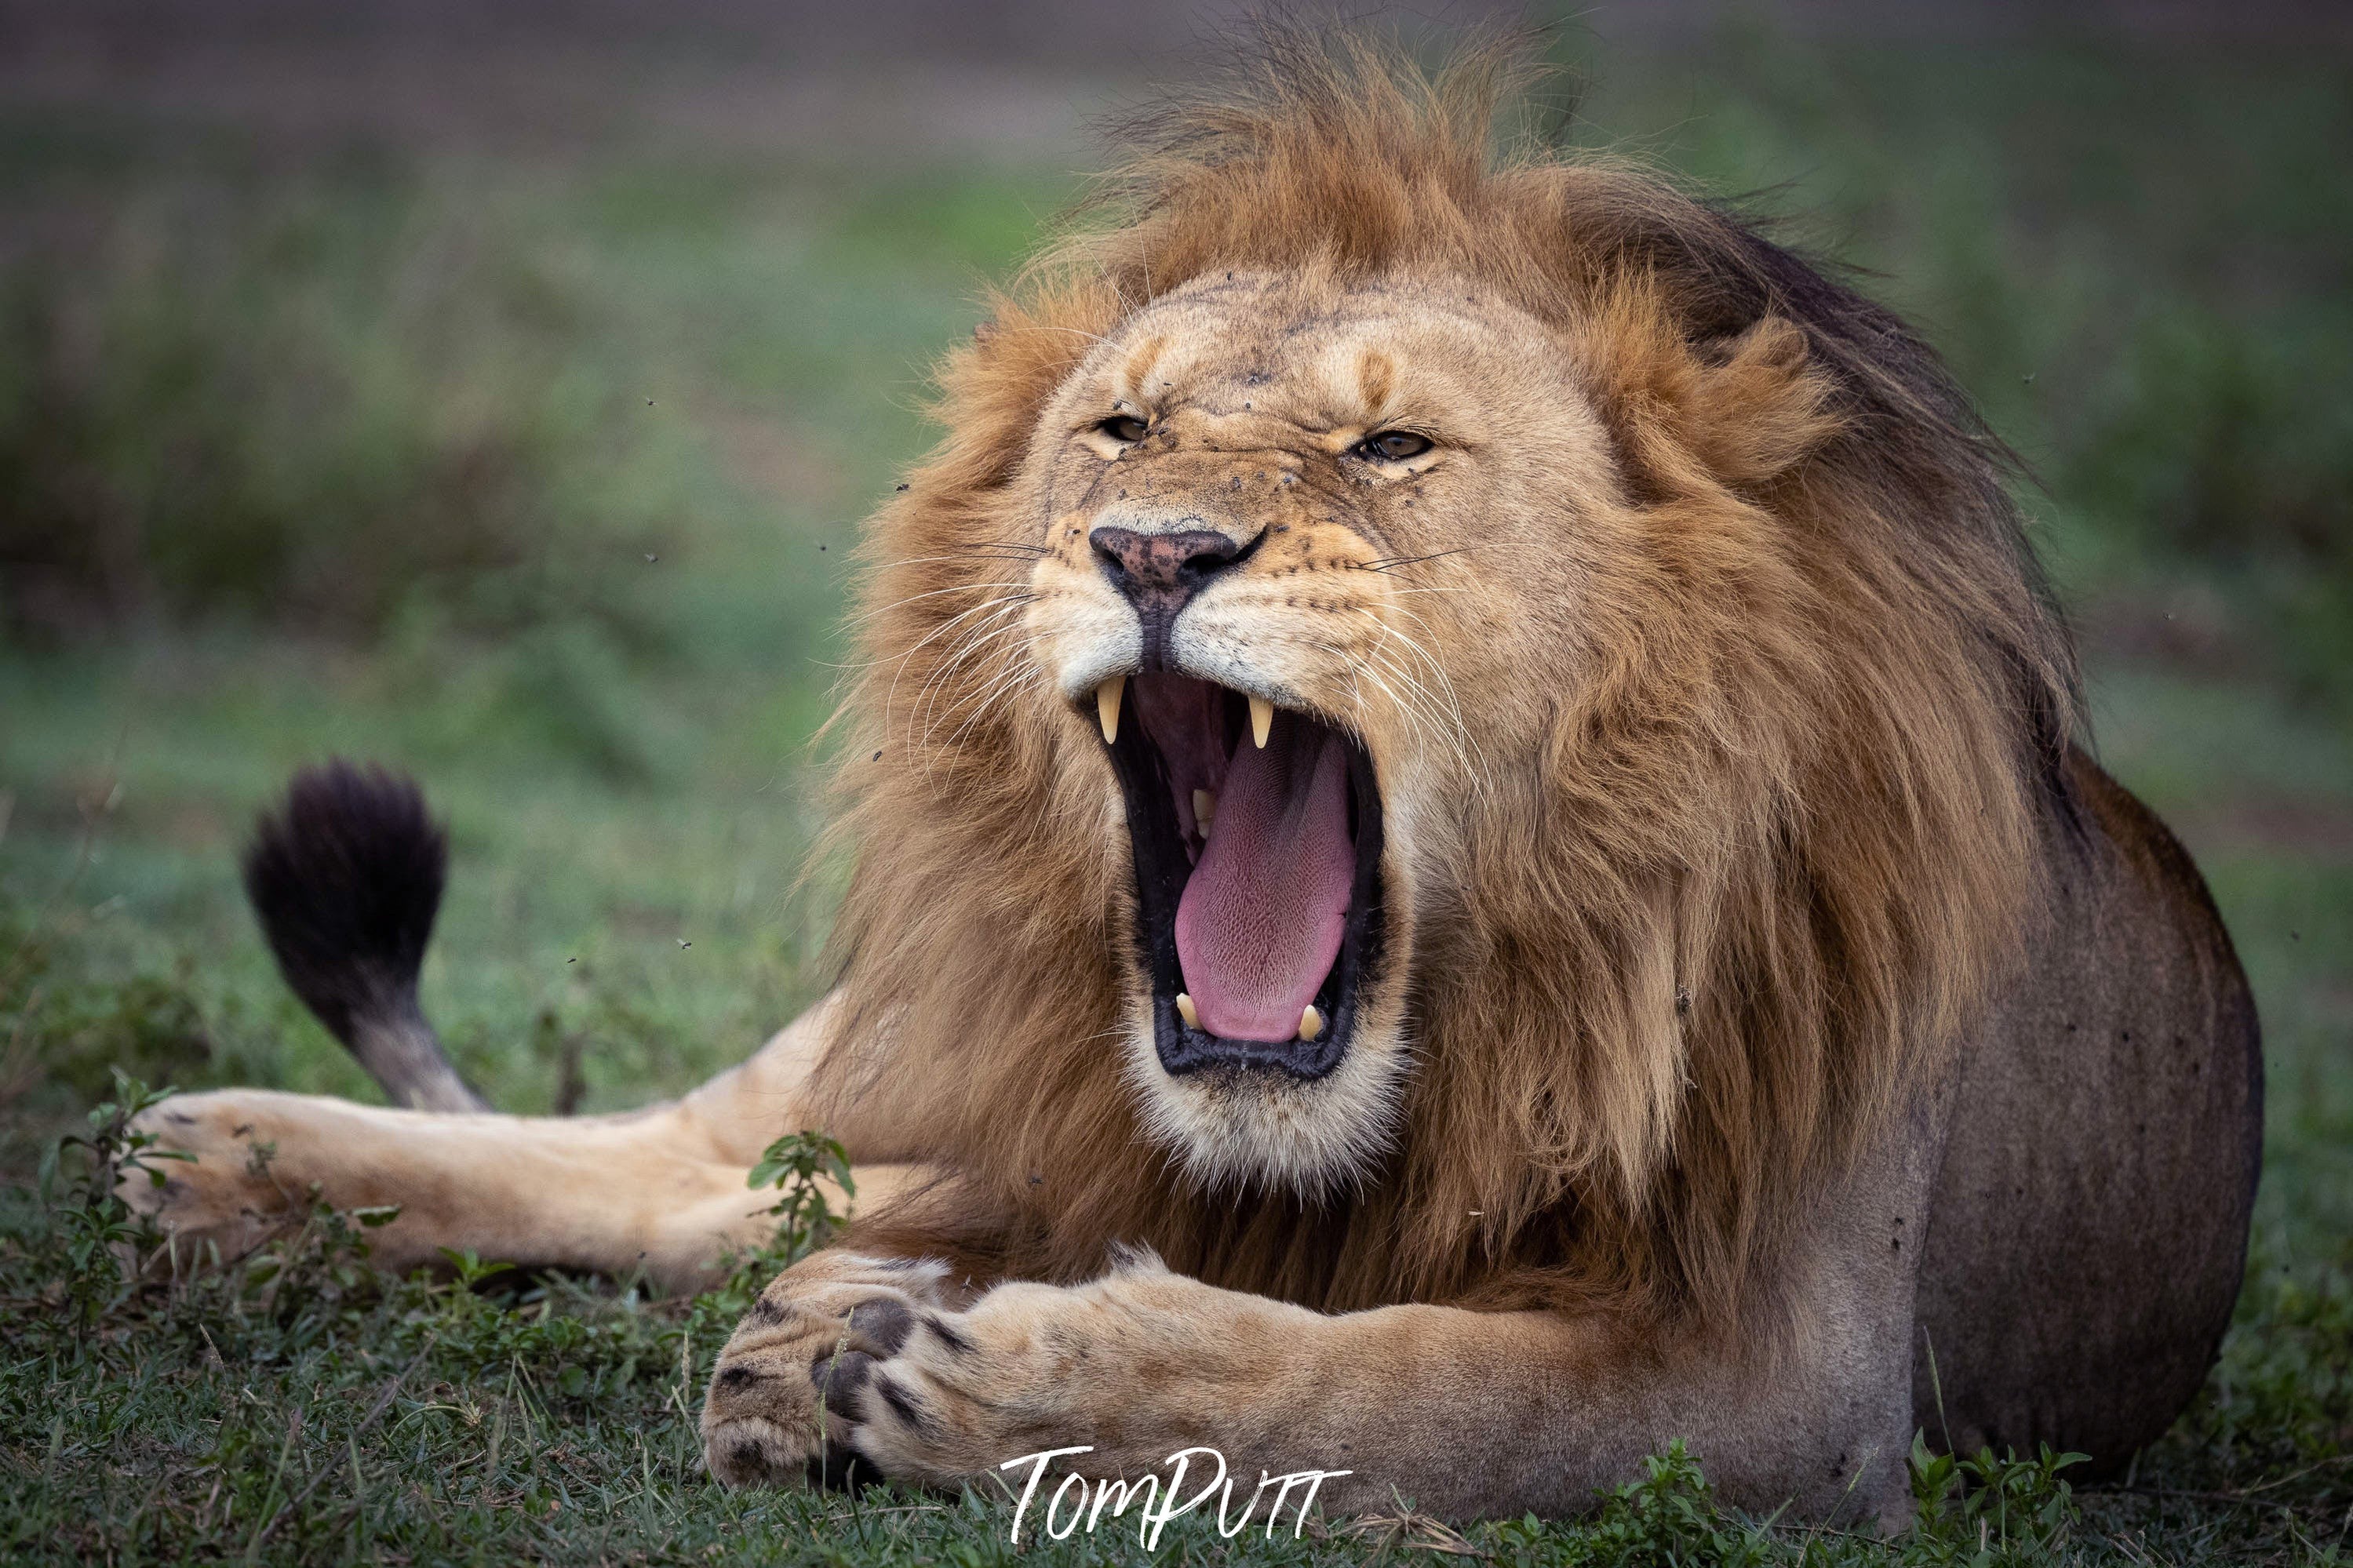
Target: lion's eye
x=1124 y=428
x=1391 y=447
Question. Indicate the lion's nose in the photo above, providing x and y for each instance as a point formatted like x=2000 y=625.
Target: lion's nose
x=1160 y=573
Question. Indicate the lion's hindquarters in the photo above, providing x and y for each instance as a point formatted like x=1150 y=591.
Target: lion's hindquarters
x=2090 y=1223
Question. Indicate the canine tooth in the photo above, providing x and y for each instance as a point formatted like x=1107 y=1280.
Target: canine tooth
x=1261 y=720
x=1311 y=1023
x=1107 y=696
x=1205 y=809
x=1185 y=1011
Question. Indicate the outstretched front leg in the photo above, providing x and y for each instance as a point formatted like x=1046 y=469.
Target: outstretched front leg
x=658 y=1192
x=346 y=875
x=850 y=1362
x=1806 y=1399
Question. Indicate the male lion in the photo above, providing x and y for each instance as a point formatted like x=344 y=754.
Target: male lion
x=1468 y=858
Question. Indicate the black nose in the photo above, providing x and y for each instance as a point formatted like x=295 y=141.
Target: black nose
x=1160 y=573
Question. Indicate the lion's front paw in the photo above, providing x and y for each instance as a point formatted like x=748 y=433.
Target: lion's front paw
x=796 y=1381
x=852 y=1366
x=231 y=1195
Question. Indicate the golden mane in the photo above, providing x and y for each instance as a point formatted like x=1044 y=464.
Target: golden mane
x=1764 y=869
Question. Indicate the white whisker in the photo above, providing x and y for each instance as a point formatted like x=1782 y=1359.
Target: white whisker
x=994 y=607
x=927 y=696
x=862 y=616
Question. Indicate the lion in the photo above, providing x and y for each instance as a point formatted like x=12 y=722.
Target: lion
x=1471 y=852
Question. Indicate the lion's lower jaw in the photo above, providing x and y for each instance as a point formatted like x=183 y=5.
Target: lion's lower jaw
x=1236 y=1128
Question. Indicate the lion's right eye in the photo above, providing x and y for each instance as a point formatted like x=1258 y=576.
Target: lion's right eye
x=1124 y=428
x=1391 y=447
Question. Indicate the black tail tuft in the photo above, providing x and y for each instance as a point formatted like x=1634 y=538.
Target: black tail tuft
x=346 y=875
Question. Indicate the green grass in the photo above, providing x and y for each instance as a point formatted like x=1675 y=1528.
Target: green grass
x=364 y=450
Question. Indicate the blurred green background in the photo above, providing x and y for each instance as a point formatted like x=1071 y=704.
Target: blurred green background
x=498 y=398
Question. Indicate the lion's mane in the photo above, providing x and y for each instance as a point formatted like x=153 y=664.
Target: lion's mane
x=1764 y=869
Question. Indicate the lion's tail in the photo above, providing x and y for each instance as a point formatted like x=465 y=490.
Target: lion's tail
x=346 y=875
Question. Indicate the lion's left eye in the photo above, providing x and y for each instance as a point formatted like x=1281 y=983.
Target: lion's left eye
x=1391 y=447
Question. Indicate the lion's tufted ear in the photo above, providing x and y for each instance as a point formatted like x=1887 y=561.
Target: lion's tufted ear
x=1736 y=411
x=1757 y=406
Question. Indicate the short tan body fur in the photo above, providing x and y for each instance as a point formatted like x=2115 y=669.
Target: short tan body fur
x=1769 y=986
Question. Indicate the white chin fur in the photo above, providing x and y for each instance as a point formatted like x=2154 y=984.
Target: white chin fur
x=1235 y=1129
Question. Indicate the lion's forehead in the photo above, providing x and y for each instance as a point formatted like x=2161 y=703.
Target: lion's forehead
x=1230 y=335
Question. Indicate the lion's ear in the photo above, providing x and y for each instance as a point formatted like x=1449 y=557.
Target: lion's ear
x=1758 y=406
x=1736 y=411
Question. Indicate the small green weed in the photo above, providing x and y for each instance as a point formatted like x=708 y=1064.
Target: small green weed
x=96 y=1230
x=1667 y=1519
x=1977 y=1512
x=792 y=1167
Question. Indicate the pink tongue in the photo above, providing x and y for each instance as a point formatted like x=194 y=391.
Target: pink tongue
x=1262 y=918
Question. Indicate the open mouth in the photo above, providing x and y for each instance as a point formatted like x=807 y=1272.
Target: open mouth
x=1257 y=835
